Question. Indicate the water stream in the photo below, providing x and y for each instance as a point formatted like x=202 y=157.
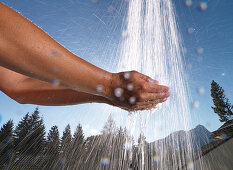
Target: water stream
x=153 y=46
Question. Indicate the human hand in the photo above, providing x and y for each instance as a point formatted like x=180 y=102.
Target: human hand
x=134 y=91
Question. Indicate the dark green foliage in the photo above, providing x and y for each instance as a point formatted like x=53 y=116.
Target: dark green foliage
x=53 y=141
x=30 y=134
x=66 y=139
x=78 y=138
x=110 y=126
x=222 y=105
x=6 y=143
x=52 y=149
x=66 y=147
x=113 y=149
x=77 y=148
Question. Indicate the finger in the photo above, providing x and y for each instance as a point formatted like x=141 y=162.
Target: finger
x=144 y=97
x=157 y=88
x=144 y=107
x=154 y=102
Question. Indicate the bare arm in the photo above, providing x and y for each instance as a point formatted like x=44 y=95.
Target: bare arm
x=26 y=90
x=26 y=49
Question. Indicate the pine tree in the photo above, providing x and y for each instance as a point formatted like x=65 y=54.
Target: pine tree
x=6 y=145
x=53 y=141
x=66 y=139
x=110 y=126
x=6 y=132
x=30 y=134
x=65 y=147
x=78 y=138
x=222 y=105
x=77 y=148
x=21 y=130
x=51 y=149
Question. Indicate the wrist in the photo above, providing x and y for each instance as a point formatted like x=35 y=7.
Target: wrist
x=108 y=91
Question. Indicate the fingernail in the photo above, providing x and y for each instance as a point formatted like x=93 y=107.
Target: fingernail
x=165 y=99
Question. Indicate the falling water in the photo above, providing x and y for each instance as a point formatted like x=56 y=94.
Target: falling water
x=152 y=45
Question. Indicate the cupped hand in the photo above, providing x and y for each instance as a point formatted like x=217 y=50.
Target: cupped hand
x=134 y=91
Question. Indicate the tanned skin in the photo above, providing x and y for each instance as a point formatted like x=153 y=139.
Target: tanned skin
x=35 y=69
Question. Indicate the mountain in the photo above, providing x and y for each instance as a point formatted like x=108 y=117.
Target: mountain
x=180 y=139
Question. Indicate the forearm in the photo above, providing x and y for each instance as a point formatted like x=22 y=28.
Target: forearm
x=57 y=98
x=28 y=50
x=32 y=91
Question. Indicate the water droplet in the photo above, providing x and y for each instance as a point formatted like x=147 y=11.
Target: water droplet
x=124 y=34
x=118 y=92
x=54 y=53
x=190 y=165
x=188 y=3
x=200 y=50
x=156 y=159
x=61 y=162
x=199 y=59
x=8 y=141
x=99 y=88
x=189 y=66
x=223 y=74
x=55 y=69
x=130 y=86
x=203 y=6
x=8 y=153
x=94 y=1
x=110 y=9
x=128 y=145
x=152 y=82
x=55 y=82
x=208 y=125
x=105 y=161
x=132 y=100
x=127 y=75
x=223 y=136
x=184 y=50
x=195 y=104
x=191 y=30
x=201 y=90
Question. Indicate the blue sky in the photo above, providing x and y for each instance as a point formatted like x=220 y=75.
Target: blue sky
x=92 y=30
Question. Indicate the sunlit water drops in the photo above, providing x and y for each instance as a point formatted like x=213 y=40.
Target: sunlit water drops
x=110 y=9
x=127 y=75
x=99 y=88
x=195 y=104
x=190 y=165
x=128 y=145
x=55 y=82
x=132 y=100
x=223 y=136
x=124 y=34
x=201 y=90
x=203 y=6
x=200 y=50
x=130 y=86
x=105 y=161
x=191 y=30
x=94 y=1
x=118 y=92
x=188 y=3
x=156 y=159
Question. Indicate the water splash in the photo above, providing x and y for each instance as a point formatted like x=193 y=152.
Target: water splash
x=153 y=46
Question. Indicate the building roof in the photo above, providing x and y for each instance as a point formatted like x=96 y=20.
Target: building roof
x=225 y=131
